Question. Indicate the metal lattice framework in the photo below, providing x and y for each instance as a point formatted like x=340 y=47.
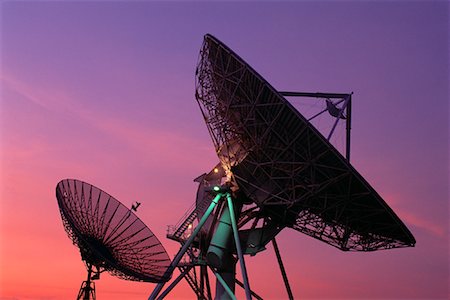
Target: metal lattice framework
x=280 y=161
x=110 y=236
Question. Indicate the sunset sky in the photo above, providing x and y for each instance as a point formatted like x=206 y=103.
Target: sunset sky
x=104 y=92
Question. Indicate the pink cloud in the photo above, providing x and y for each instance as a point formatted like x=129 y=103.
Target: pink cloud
x=55 y=101
x=164 y=148
x=422 y=223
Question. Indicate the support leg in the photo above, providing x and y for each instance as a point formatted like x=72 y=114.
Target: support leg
x=224 y=285
x=208 y=287
x=248 y=294
x=283 y=271
x=87 y=289
x=253 y=293
x=174 y=283
x=186 y=245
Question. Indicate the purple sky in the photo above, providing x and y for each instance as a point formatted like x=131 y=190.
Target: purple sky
x=104 y=92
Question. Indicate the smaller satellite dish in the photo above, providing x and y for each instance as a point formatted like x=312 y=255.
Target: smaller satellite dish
x=109 y=235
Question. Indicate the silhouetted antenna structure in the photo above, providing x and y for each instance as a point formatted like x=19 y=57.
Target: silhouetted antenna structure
x=276 y=170
x=284 y=164
x=109 y=235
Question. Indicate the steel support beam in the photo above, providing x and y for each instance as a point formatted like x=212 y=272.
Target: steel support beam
x=283 y=271
x=248 y=294
x=186 y=245
x=225 y=285
x=314 y=95
x=174 y=283
x=348 y=127
x=253 y=293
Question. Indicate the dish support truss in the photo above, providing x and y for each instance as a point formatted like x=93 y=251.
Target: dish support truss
x=205 y=253
x=87 y=289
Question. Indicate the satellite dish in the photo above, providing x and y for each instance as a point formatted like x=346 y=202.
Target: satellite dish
x=279 y=171
x=109 y=235
x=284 y=164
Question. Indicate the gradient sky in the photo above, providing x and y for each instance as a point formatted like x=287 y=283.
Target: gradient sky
x=104 y=92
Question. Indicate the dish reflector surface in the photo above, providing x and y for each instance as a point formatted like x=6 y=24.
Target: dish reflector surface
x=283 y=163
x=109 y=235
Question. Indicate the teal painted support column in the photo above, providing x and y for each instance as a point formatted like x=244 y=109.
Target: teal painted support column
x=248 y=294
x=224 y=285
x=186 y=245
x=218 y=252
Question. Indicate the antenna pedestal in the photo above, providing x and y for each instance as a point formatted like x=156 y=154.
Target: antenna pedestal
x=220 y=256
x=87 y=289
x=220 y=259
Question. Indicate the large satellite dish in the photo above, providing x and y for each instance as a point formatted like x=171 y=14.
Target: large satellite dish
x=280 y=161
x=109 y=235
x=276 y=170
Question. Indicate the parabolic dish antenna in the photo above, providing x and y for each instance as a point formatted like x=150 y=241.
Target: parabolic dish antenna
x=283 y=163
x=109 y=235
x=276 y=170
